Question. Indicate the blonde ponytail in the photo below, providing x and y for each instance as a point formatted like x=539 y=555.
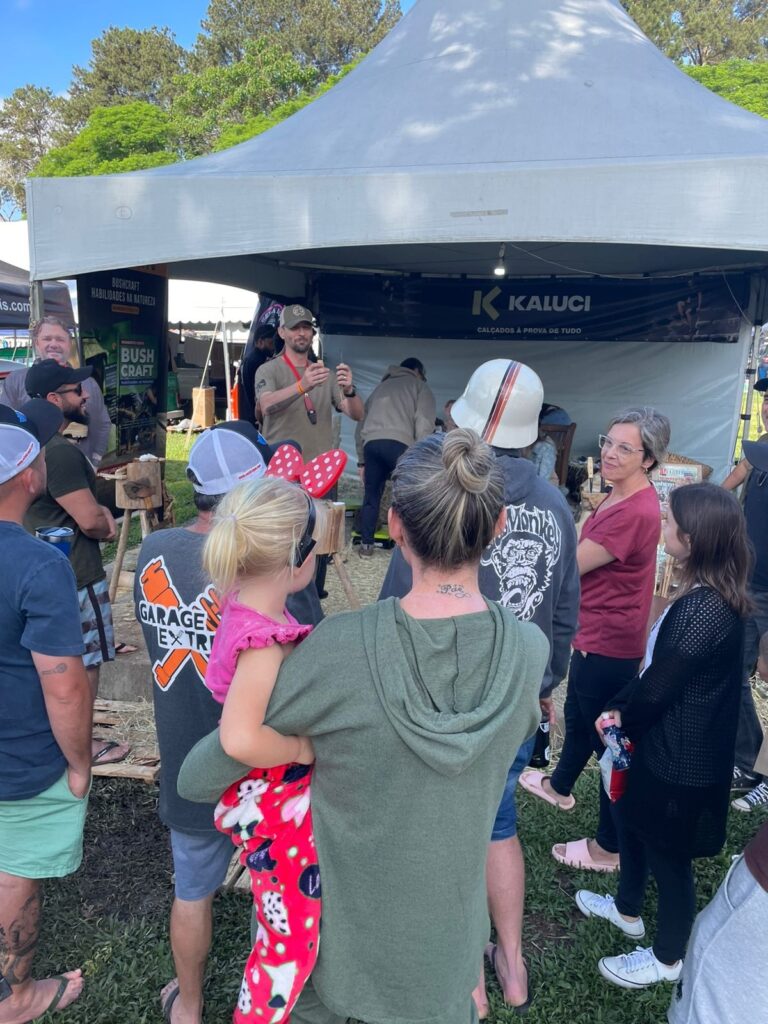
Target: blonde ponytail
x=256 y=530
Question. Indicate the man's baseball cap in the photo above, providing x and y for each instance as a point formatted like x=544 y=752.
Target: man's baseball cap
x=756 y=454
x=295 y=314
x=48 y=375
x=761 y=385
x=225 y=456
x=24 y=433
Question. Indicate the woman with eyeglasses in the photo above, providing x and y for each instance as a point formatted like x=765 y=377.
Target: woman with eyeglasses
x=617 y=564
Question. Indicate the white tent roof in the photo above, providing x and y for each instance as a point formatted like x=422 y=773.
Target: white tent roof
x=201 y=305
x=553 y=125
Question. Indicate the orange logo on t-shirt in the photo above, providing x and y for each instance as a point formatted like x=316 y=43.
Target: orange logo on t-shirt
x=185 y=631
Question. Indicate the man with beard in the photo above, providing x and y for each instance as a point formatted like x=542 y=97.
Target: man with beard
x=531 y=569
x=296 y=396
x=70 y=500
x=52 y=339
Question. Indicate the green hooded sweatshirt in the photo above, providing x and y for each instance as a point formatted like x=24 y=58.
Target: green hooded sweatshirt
x=415 y=724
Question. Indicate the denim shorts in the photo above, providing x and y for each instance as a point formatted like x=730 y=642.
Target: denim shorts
x=42 y=836
x=505 y=826
x=200 y=862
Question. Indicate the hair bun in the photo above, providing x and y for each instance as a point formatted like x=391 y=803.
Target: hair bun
x=468 y=460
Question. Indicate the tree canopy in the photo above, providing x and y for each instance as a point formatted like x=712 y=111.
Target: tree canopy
x=743 y=82
x=31 y=121
x=127 y=64
x=218 y=98
x=128 y=137
x=704 y=31
x=324 y=33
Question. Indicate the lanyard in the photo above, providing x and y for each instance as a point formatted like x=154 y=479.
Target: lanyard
x=311 y=413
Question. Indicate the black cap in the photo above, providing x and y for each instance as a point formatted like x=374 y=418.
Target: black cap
x=762 y=384
x=49 y=375
x=756 y=453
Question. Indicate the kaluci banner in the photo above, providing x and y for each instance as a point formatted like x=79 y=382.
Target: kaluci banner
x=679 y=309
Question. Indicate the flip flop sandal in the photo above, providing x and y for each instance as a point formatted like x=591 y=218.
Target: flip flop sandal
x=125 y=649
x=577 y=855
x=99 y=758
x=521 y=1008
x=532 y=783
x=167 y=1003
x=63 y=984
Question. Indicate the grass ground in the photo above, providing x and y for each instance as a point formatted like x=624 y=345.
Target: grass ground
x=111 y=919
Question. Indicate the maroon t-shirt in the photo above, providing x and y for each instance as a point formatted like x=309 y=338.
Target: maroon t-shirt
x=756 y=856
x=616 y=598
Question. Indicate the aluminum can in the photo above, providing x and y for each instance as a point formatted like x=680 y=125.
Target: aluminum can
x=60 y=536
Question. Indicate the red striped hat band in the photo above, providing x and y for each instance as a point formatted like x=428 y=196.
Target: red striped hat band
x=500 y=402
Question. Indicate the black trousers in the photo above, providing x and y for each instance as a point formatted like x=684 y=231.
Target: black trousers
x=592 y=681
x=674 y=880
x=380 y=458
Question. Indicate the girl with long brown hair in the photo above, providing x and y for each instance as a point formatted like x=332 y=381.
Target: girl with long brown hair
x=681 y=714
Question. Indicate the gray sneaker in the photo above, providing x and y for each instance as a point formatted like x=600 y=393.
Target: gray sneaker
x=756 y=799
x=365 y=550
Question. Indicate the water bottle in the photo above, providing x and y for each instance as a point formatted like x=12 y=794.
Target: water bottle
x=540 y=755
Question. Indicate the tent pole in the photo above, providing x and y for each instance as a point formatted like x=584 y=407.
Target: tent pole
x=751 y=368
x=36 y=301
x=227 y=375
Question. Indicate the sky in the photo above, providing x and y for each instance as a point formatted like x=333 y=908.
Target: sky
x=42 y=39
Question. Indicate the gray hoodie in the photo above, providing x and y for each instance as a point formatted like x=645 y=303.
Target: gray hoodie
x=400 y=408
x=531 y=568
x=414 y=724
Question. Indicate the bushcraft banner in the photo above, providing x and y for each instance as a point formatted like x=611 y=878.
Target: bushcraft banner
x=546 y=309
x=122 y=325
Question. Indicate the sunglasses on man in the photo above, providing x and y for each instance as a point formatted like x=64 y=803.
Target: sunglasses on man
x=76 y=390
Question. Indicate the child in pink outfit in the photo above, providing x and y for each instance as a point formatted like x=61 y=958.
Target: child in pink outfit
x=259 y=551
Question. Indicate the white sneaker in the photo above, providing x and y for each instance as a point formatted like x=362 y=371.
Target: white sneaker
x=638 y=969
x=755 y=799
x=591 y=904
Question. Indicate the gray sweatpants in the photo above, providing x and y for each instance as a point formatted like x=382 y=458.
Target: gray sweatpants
x=724 y=977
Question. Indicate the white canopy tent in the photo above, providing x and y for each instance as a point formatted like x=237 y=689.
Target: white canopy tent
x=551 y=125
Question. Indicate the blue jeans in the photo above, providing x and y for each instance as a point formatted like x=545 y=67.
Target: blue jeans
x=380 y=460
x=592 y=681
x=505 y=826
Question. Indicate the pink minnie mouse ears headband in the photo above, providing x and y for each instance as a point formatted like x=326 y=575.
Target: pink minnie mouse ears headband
x=317 y=477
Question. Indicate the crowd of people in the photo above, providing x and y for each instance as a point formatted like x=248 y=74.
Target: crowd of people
x=366 y=765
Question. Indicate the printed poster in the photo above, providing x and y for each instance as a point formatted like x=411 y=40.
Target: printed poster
x=122 y=325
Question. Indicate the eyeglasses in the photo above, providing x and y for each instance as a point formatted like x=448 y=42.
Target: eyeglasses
x=623 y=451
x=76 y=390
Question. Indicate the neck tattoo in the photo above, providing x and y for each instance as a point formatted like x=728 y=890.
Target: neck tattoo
x=453 y=590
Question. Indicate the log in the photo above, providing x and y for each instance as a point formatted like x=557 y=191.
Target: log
x=125 y=770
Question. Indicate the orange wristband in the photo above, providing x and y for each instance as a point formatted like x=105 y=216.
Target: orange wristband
x=299 y=388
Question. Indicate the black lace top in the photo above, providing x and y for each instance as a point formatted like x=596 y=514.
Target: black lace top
x=682 y=714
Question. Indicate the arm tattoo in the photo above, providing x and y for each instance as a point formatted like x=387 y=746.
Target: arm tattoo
x=454 y=589
x=57 y=670
x=283 y=403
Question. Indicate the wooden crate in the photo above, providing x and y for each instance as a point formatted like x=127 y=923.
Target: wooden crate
x=203 y=407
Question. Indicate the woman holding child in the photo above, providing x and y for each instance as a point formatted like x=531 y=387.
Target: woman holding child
x=412 y=707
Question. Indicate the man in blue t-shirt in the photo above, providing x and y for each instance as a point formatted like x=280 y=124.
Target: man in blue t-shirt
x=45 y=725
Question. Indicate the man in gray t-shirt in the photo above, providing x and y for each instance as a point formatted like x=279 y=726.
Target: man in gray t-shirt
x=179 y=612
